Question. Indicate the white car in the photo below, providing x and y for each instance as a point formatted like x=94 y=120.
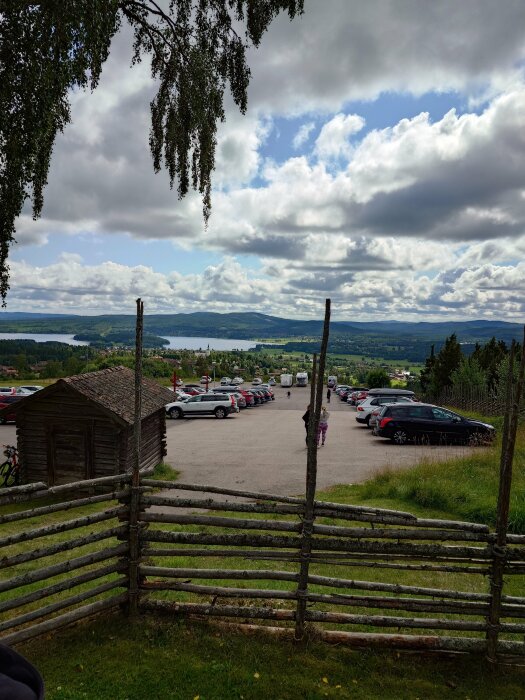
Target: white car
x=205 y=379
x=271 y=381
x=226 y=381
x=365 y=407
x=28 y=389
x=257 y=381
x=237 y=380
x=219 y=405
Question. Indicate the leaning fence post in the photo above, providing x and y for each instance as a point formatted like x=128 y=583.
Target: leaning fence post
x=134 y=504
x=316 y=397
x=502 y=518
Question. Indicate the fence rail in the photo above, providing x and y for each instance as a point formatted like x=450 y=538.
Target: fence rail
x=237 y=555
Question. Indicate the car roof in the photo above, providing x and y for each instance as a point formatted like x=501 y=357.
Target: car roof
x=389 y=391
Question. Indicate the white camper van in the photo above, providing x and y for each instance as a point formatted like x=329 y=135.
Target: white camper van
x=301 y=379
x=286 y=380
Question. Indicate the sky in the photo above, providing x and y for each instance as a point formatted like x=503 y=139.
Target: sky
x=381 y=163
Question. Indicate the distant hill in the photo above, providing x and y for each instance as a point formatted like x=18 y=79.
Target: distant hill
x=392 y=339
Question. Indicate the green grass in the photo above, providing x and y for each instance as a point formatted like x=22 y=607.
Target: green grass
x=114 y=659
x=109 y=658
x=466 y=487
x=165 y=472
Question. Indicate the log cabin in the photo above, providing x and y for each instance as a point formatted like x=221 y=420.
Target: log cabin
x=81 y=427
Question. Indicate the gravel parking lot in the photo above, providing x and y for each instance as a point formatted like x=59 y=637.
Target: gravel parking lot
x=263 y=448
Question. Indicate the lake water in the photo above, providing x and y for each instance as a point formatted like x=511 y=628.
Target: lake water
x=196 y=343
x=175 y=342
x=43 y=337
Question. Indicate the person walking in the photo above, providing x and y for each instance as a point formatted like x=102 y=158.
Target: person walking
x=306 y=419
x=323 y=426
x=328 y=395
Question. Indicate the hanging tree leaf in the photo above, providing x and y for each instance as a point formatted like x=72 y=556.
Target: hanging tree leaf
x=197 y=48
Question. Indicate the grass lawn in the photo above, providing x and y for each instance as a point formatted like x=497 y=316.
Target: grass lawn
x=152 y=659
x=161 y=658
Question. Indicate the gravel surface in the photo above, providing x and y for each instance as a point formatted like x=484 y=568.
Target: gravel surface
x=263 y=448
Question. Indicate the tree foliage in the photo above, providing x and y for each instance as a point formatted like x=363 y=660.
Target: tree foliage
x=469 y=374
x=377 y=379
x=48 y=49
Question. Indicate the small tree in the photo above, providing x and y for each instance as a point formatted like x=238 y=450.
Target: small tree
x=425 y=378
x=469 y=374
x=377 y=379
x=448 y=359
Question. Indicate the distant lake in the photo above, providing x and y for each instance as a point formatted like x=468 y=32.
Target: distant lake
x=195 y=343
x=175 y=342
x=44 y=337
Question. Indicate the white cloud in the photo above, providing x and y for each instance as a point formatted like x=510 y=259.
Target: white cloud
x=333 y=141
x=405 y=202
x=302 y=136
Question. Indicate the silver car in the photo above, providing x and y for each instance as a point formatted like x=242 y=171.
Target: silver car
x=368 y=405
x=219 y=405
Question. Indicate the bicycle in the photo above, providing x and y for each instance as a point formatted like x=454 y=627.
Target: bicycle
x=10 y=469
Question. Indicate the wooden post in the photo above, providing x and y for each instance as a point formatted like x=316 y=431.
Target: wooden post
x=505 y=481
x=134 y=506
x=316 y=397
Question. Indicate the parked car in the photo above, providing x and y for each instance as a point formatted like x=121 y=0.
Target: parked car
x=237 y=392
x=358 y=394
x=28 y=389
x=181 y=395
x=219 y=405
x=8 y=390
x=257 y=398
x=272 y=381
x=256 y=381
x=205 y=379
x=7 y=400
x=421 y=422
x=193 y=390
x=365 y=408
x=225 y=381
x=248 y=397
x=268 y=388
x=237 y=380
x=260 y=397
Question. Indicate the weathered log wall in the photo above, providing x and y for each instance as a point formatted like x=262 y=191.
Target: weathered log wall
x=64 y=438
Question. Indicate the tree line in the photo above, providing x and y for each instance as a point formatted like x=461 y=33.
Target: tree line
x=486 y=368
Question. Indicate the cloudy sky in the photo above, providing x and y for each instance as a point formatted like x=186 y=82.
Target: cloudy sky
x=381 y=163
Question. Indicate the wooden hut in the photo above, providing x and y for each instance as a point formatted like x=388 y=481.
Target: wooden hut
x=81 y=427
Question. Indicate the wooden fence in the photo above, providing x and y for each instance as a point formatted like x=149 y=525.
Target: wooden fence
x=54 y=540
x=393 y=579
x=289 y=563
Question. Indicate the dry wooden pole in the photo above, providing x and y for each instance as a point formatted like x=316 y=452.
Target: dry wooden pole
x=316 y=397
x=134 y=506
x=502 y=518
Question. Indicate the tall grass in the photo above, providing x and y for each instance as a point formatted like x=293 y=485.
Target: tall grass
x=466 y=487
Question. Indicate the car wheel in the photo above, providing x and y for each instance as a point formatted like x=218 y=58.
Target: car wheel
x=367 y=421
x=175 y=412
x=400 y=437
x=220 y=412
x=477 y=438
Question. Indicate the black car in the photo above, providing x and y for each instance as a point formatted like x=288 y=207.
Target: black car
x=423 y=422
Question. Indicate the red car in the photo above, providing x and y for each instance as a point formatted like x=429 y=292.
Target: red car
x=6 y=400
x=193 y=390
x=250 y=401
